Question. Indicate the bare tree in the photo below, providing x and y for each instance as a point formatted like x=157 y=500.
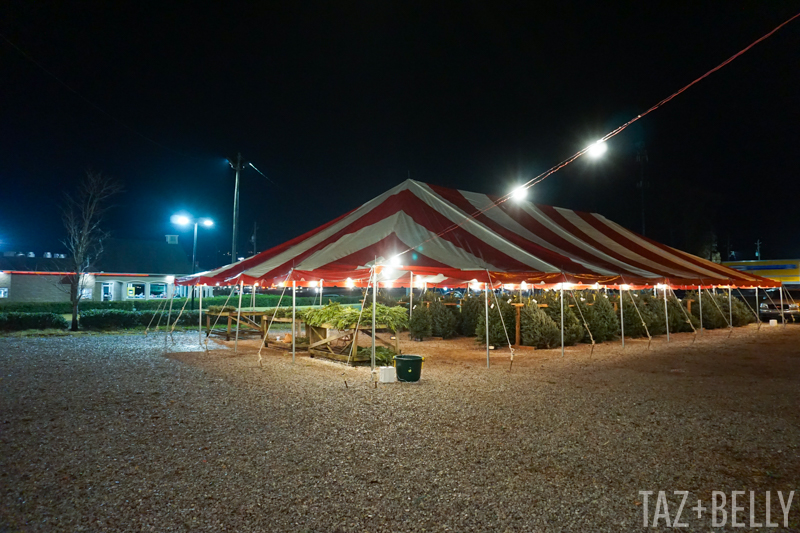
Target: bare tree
x=82 y=215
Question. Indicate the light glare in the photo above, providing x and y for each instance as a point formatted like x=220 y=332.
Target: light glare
x=519 y=194
x=597 y=149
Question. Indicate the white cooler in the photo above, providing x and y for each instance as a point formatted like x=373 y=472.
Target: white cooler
x=387 y=374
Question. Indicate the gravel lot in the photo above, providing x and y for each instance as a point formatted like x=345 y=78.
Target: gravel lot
x=117 y=433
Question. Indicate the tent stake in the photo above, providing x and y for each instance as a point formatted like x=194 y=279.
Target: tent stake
x=666 y=313
x=294 y=311
x=486 y=286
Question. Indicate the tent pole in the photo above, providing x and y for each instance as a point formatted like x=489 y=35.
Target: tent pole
x=320 y=292
x=253 y=297
x=666 y=313
x=411 y=297
x=783 y=317
x=374 y=306
x=486 y=286
x=730 y=308
x=758 y=309
x=621 y=318
x=238 y=316
x=200 y=316
x=562 y=319
x=700 y=303
x=294 y=311
x=169 y=314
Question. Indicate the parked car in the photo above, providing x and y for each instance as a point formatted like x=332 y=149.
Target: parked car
x=769 y=307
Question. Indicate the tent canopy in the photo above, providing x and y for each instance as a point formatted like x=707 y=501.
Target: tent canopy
x=453 y=238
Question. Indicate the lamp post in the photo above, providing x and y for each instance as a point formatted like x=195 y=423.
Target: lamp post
x=183 y=220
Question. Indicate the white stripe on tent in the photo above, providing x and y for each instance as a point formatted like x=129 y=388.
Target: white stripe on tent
x=481 y=201
x=700 y=272
x=481 y=232
x=597 y=235
x=407 y=231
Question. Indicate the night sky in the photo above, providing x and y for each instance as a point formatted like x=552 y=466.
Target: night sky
x=337 y=102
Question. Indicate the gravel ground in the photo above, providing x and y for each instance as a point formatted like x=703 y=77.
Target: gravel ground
x=112 y=433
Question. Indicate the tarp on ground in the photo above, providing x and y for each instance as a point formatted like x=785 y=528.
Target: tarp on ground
x=452 y=238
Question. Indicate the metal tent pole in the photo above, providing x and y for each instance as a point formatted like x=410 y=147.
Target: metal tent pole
x=294 y=311
x=486 y=286
x=238 y=316
x=411 y=297
x=200 y=315
x=730 y=307
x=758 y=309
x=700 y=303
x=320 y=292
x=666 y=313
x=374 y=308
x=621 y=317
x=783 y=317
x=562 y=319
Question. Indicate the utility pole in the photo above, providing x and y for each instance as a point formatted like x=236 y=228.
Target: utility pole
x=641 y=158
x=237 y=167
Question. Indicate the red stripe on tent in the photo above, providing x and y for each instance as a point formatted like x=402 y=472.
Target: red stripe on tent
x=708 y=265
x=553 y=214
x=623 y=240
x=229 y=271
x=423 y=215
x=560 y=261
x=536 y=227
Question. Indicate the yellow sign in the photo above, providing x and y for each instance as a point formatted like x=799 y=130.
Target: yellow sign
x=131 y=292
x=785 y=270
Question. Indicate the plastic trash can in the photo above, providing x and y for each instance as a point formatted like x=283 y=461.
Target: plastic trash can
x=409 y=367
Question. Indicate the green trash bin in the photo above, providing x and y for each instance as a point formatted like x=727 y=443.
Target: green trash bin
x=409 y=367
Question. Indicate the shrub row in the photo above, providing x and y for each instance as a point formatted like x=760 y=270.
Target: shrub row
x=22 y=321
x=262 y=300
x=61 y=307
x=104 y=319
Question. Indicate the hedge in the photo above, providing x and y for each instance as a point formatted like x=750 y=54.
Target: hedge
x=104 y=319
x=22 y=321
x=61 y=307
x=262 y=300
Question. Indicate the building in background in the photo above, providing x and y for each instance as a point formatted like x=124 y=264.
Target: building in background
x=127 y=270
x=784 y=270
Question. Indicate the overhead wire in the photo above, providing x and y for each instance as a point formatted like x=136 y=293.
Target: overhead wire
x=544 y=175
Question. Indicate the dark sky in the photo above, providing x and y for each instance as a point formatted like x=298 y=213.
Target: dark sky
x=338 y=101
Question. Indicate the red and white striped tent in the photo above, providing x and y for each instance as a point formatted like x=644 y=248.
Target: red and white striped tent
x=420 y=234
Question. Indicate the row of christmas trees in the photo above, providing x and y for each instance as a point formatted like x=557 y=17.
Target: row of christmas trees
x=584 y=312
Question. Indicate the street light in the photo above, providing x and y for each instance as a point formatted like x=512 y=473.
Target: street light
x=183 y=220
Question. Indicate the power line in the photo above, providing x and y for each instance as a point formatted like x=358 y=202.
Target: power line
x=544 y=175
